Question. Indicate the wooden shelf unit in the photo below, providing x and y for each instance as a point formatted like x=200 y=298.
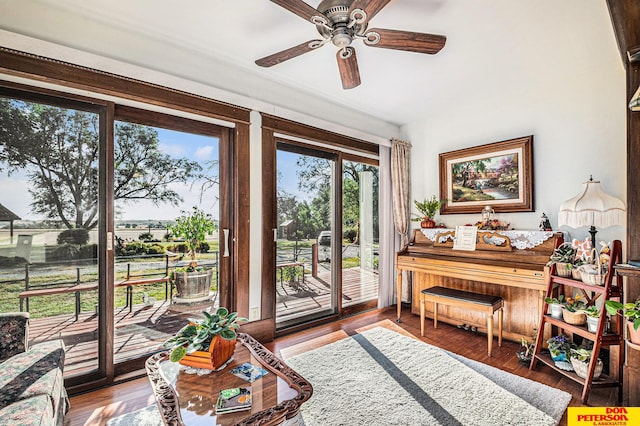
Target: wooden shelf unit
x=600 y=339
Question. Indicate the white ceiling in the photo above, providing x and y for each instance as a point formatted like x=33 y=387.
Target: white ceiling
x=492 y=45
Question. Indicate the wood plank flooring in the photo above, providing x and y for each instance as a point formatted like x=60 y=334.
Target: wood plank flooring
x=95 y=408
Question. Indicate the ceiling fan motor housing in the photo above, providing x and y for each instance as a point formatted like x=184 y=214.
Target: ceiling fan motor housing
x=338 y=30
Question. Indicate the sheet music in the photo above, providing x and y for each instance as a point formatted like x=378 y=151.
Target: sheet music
x=465 y=238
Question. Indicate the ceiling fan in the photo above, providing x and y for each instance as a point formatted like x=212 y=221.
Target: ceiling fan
x=343 y=21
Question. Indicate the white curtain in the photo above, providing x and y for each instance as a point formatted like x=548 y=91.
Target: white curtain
x=387 y=249
x=401 y=194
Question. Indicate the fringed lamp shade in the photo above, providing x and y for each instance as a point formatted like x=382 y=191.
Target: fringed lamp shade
x=592 y=207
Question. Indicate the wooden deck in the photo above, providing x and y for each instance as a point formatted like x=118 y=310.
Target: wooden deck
x=143 y=330
x=297 y=300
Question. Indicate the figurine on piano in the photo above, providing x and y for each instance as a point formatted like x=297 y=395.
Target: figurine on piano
x=545 y=224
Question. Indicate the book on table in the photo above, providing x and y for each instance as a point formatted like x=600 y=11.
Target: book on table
x=233 y=399
x=249 y=372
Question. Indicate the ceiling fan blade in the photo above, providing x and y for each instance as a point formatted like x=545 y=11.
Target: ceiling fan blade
x=292 y=52
x=298 y=7
x=348 y=66
x=404 y=40
x=370 y=7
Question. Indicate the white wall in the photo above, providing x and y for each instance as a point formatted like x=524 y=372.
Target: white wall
x=570 y=96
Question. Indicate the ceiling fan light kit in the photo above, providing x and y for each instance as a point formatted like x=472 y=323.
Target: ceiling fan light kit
x=343 y=21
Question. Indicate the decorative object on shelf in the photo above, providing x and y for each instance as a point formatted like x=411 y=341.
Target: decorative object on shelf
x=493 y=225
x=592 y=207
x=428 y=209
x=631 y=311
x=545 y=224
x=593 y=273
x=560 y=349
x=563 y=258
x=583 y=247
x=193 y=281
x=555 y=305
x=497 y=174
x=573 y=312
x=580 y=359
x=208 y=342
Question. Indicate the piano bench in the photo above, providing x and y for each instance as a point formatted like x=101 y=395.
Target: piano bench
x=463 y=299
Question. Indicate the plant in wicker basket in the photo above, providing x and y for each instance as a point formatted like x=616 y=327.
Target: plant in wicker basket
x=563 y=258
x=573 y=312
x=580 y=359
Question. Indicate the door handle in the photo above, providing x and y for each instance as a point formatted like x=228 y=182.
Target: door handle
x=226 y=242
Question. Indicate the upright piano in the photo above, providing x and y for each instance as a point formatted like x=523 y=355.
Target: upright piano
x=510 y=264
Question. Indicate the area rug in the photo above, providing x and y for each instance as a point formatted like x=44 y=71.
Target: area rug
x=148 y=416
x=380 y=377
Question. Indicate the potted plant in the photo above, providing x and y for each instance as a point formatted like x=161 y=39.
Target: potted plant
x=192 y=281
x=563 y=257
x=428 y=209
x=526 y=349
x=560 y=349
x=631 y=311
x=573 y=312
x=580 y=359
x=555 y=305
x=593 y=317
x=208 y=342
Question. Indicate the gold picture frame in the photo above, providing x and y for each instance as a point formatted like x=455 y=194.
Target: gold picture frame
x=498 y=174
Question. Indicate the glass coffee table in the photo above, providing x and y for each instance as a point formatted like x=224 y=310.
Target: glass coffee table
x=190 y=399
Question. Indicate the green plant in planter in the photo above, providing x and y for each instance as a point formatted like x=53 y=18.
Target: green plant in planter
x=427 y=208
x=581 y=354
x=193 y=227
x=555 y=300
x=565 y=253
x=197 y=335
x=592 y=311
x=574 y=304
x=289 y=274
x=631 y=311
x=560 y=347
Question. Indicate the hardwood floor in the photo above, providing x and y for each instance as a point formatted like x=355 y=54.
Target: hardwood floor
x=97 y=407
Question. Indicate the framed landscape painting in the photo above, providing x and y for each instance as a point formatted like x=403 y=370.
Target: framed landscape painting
x=498 y=174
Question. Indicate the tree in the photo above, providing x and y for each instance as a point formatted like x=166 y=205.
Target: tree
x=58 y=150
x=314 y=177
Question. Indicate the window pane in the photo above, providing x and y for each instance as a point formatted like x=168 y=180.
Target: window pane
x=161 y=175
x=48 y=224
x=360 y=233
x=304 y=271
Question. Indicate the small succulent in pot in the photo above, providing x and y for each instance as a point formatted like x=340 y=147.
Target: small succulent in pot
x=197 y=335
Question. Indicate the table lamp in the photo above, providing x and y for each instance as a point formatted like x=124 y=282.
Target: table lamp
x=592 y=207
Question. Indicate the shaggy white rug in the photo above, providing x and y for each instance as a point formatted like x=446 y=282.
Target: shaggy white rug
x=383 y=378
x=380 y=377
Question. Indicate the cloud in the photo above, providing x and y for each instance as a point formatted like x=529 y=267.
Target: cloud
x=204 y=153
x=172 y=150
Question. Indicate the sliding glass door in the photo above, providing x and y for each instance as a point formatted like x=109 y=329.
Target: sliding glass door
x=305 y=249
x=360 y=231
x=50 y=220
x=86 y=241
x=162 y=175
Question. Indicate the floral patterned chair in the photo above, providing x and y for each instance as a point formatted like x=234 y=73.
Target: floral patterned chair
x=31 y=384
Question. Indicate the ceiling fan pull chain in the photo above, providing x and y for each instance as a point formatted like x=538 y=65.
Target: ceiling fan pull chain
x=357 y=16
